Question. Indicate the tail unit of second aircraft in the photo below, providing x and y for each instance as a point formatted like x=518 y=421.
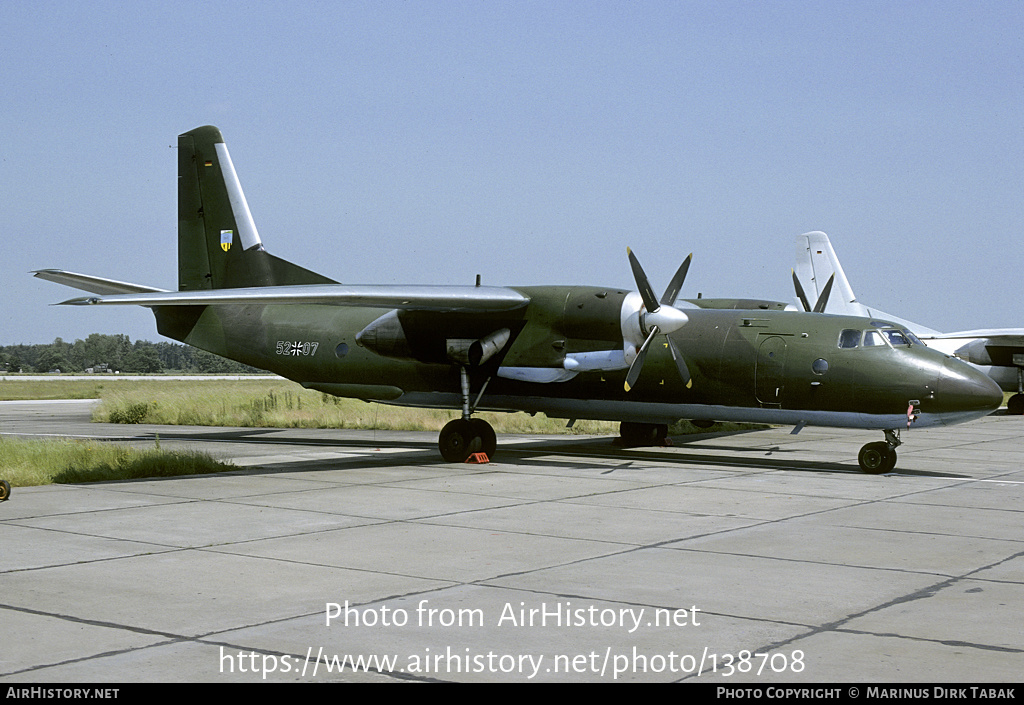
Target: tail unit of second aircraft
x=574 y=352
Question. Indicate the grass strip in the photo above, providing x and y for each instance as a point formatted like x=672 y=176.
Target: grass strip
x=27 y=462
x=266 y=403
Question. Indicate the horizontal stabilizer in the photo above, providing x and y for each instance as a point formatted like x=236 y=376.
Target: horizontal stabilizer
x=95 y=285
x=424 y=298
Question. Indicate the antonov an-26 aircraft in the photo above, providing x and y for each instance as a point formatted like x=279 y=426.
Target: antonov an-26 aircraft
x=575 y=352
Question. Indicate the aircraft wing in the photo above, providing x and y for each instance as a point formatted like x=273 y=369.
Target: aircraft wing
x=1013 y=337
x=424 y=298
x=741 y=304
x=1001 y=347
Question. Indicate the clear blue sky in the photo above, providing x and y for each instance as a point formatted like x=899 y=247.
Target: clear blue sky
x=530 y=142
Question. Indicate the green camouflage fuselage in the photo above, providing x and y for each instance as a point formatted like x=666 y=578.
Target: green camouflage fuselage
x=745 y=365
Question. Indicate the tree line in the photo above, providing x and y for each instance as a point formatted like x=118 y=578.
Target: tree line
x=115 y=353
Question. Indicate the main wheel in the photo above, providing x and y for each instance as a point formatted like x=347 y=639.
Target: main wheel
x=642 y=434
x=459 y=439
x=488 y=439
x=5 y=490
x=1015 y=405
x=876 y=458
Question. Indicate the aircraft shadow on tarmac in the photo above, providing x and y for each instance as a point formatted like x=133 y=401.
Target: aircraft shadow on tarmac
x=533 y=452
x=682 y=454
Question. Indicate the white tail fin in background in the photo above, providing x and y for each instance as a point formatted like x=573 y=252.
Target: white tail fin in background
x=816 y=263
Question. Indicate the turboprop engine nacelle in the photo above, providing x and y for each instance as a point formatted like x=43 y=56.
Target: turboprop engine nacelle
x=476 y=352
x=386 y=336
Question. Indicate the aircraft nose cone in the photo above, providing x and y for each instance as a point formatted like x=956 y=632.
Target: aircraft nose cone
x=962 y=388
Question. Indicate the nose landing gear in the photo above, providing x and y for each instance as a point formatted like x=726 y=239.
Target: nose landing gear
x=879 y=457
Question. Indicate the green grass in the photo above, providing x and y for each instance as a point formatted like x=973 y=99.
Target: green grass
x=246 y=403
x=26 y=462
x=57 y=388
x=282 y=404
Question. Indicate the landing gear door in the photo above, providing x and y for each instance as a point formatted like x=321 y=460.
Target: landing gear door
x=769 y=379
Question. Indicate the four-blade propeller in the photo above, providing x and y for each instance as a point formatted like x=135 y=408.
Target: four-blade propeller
x=658 y=317
x=819 y=305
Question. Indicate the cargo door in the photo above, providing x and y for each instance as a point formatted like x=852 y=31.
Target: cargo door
x=769 y=373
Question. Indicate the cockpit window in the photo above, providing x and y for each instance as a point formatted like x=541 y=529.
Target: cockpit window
x=896 y=337
x=873 y=338
x=849 y=338
x=914 y=340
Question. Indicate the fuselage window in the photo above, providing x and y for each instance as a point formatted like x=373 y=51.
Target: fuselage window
x=849 y=338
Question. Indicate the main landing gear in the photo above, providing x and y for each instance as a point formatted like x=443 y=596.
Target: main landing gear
x=1015 y=404
x=633 y=434
x=880 y=457
x=463 y=437
x=5 y=490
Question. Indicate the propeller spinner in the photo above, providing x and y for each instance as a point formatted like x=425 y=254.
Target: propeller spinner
x=655 y=317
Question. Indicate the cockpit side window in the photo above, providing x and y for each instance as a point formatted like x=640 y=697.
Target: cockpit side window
x=849 y=338
x=873 y=338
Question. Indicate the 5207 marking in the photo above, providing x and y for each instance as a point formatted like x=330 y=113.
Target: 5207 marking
x=296 y=347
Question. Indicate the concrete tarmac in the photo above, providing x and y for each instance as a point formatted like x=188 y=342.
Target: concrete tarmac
x=361 y=556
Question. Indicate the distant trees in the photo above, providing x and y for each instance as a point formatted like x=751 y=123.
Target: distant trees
x=115 y=353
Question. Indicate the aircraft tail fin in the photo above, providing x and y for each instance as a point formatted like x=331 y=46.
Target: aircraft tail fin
x=816 y=264
x=218 y=244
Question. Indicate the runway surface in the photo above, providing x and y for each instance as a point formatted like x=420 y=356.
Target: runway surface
x=751 y=557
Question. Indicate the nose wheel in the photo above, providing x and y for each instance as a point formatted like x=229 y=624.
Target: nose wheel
x=879 y=457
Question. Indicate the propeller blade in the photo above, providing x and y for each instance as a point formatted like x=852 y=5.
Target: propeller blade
x=684 y=371
x=819 y=307
x=674 y=286
x=638 y=363
x=659 y=316
x=800 y=293
x=644 y=286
